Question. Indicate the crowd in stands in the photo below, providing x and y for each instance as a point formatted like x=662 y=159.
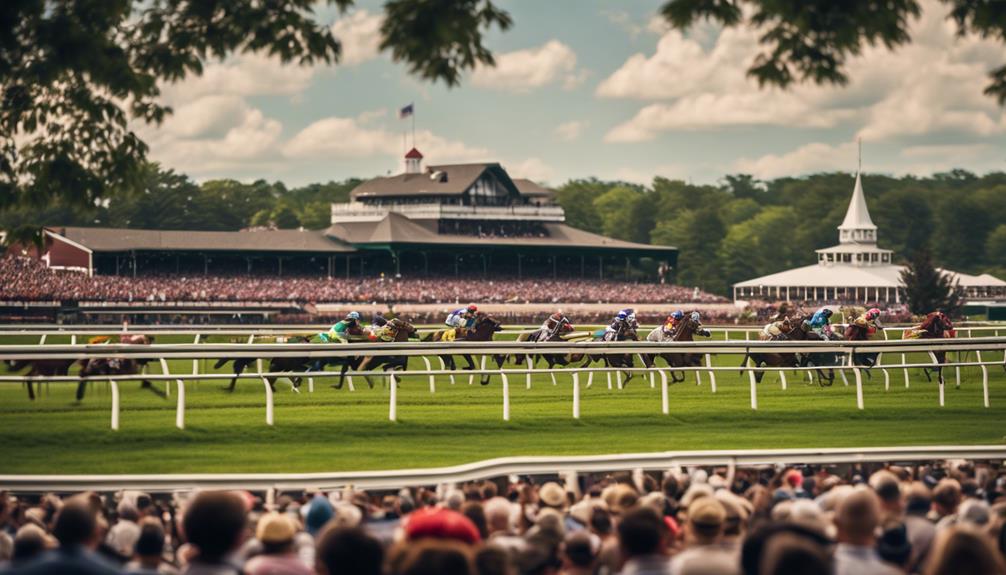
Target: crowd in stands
x=935 y=519
x=26 y=279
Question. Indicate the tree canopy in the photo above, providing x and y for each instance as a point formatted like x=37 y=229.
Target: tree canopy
x=74 y=74
x=926 y=289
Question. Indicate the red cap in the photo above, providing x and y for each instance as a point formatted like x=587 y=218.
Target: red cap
x=441 y=523
x=794 y=478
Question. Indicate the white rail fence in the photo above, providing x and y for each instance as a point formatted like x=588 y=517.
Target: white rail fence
x=567 y=466
x=846 y=350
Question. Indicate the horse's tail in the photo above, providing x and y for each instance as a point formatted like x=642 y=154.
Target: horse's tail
x=220 y=363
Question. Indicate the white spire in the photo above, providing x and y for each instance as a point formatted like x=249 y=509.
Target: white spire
x=858 y=227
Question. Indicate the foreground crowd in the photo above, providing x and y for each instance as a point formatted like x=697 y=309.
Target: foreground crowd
x=27 y=279
x=936 y=520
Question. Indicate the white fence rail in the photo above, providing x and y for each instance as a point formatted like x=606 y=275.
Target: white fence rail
x=522 y=465
x=847 y=350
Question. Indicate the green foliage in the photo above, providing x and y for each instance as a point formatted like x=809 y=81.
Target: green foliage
x=77 y=75
x=812 y=40
x=926 y=289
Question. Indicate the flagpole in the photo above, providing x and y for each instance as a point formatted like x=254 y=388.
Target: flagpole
x=413 y=126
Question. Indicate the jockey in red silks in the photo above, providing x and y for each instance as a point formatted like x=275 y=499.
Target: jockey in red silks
x=937 y=324
x=555 y=323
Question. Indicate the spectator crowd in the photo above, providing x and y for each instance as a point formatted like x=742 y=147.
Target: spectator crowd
x=27 y=279
x=939 y=519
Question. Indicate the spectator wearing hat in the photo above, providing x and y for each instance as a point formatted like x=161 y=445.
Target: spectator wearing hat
x=319 y=512
x=276 y=533
x=857 y=519
x=704 y=549
x=149 y=551
x=441 y=523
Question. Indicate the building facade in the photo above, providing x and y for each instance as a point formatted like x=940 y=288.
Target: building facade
x=855 y=270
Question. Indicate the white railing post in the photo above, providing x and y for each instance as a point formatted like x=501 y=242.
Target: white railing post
x=782 y=379
x=433 y=379
x=41 y=340
x=576 y=395
x=859 y=387
x=618 y=379
x=195 y=362
x=754 y=384
x=712 y=374
x=180 y=410
x=393 y=399
x=904 y=361
x=665 y=406
x=506 y=397
x=115 y=403
x=530 y=368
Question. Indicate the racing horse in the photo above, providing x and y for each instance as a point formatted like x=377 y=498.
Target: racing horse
x=936 y=326
x=396 y=330
x=626 y=332
x=39 y=368
x=774 y=359
x=117 y=365
x=542 y=335
x=483 y=329
x=685 y=331
x=803 y=332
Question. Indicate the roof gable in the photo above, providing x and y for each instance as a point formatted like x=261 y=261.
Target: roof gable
x=453 y=180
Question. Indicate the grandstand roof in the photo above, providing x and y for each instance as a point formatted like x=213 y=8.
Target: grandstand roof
x=398 y=229
x=443 y=180
x=532 y=189
x=124 y=240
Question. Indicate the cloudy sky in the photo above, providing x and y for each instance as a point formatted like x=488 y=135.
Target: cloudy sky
x=589 y=88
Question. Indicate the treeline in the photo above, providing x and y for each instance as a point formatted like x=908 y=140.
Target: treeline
x=744 y=228
x=736 y=230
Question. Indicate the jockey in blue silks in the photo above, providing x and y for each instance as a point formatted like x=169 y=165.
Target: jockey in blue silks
x=820 y=323
x=462 y=318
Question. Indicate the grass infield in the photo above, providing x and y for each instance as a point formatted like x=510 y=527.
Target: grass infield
x=335 y=430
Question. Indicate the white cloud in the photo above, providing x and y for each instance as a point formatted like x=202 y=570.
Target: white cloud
x=525 y=70
x=532 y=169
x=932 y=86
x=243 y=75
x=569 y=131
x=810 y=158
x=336 y=137
x=360 y=36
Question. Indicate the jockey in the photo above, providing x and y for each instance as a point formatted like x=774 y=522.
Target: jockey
x=624 y=317
x=378 y=321
x=555 y=323
x=463 y=318
x=340 y=331
x=820 y=323
x=672 y=321
x=697 y=318
x=777 y=329
x=869 y=320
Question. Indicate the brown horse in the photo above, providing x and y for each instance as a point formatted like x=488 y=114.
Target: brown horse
x=562 y=327
x=937 y=325
x=686 y=329
x=626 y=332
x=398 y=330
x=40 y=368
x=117 y=366
x=774 y=359
x=483 y=329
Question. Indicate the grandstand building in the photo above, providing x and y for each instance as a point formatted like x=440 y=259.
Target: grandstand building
x=447 y=220
x=854 y=271
x=470 y=219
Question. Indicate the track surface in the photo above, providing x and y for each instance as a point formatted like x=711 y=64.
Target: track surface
x=341 y=430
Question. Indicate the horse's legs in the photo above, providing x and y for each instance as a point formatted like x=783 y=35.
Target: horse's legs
x=31 y=391
x=80 y=390
x=239 y=368
x=342 y=375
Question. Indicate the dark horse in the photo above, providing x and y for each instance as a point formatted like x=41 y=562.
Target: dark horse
x=40 y=368
x=280 y=364
x=625 y=332
x=686 y=329
x=483 y=329
x=116 y=366
x=857 y=332
x=556 y=333
x=397 y=330
x=936 y=326
x=788 y=328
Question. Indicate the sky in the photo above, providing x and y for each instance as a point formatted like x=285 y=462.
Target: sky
x=588 y=88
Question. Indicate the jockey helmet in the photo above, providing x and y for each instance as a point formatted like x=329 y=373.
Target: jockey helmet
x=826 y=312
x=473 y=308
x=678 y=315
x=696 y=317
x=353 y=315
x=557 y=316
x=622 y=316
x=874 y=313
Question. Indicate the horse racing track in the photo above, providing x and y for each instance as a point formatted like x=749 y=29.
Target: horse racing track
x=333 y=429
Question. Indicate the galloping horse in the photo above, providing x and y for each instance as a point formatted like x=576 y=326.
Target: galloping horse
x=397 y=330
x=775 y=359
x=625 y=332
x=936 y=326
x=803 y=332
x=117 y=366
x=40 y=368
x=482 y=330
x=685 y=331
x=542 y=335
x=857 y=332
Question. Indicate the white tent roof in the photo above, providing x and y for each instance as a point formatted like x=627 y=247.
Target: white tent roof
x=831 y=276
x=857 y=217
x=983 y=280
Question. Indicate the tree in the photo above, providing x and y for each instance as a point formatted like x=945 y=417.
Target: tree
x=75 y=73
x=812 y=40
x=284 y=218
x=928 y=289
x=617 y=211
x=577 y=199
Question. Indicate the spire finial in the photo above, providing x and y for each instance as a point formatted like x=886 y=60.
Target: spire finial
x=860 y=168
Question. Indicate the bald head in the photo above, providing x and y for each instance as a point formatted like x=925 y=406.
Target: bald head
x=857 y=517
